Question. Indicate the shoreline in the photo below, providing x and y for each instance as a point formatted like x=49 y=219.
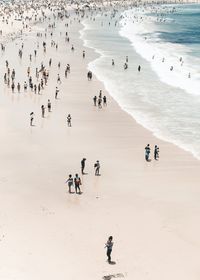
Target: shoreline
x=102 y=54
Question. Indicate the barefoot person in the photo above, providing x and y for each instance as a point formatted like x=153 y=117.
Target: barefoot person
x=156 y=152
x=77 y=183
x=83 y=165
x=97 y=168
x=31 y=118
x=147 y=152
x=70 y=182
x=109 y=246
x=69 y=120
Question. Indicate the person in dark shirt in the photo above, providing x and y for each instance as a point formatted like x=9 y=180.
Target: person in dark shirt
x=83 y=165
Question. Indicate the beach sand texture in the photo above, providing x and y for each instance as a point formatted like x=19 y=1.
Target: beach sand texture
x=151 y=209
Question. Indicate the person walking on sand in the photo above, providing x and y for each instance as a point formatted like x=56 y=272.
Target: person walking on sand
x=77 y=183
x=109 y=246
x=97 y=168
x=56 y=93
x=49 y=105
x=83 y=165
x=156 y=152
x=43 y=111
x=99 y=103
x=104 y=101
x=95 y=100
x=147 y=152
x=70 y=182
x=69 y=119
x=31 y=118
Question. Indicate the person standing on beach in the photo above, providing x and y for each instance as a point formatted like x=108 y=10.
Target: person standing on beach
x=31 y=118
x=77 y=183
x=147 y=152
x=95 y=100
x=69 y=120
x=109 y=246
x=104 y=101
x=83 y=165
x=139 y=68
x=56 y=93
x=156 y=152
x=97 y=168
x=99 y=102
x=49 y=106
x=43 y=111
x=70 y=182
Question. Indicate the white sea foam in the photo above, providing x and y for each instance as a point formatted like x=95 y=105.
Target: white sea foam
x=155 y=50
x=167 y=123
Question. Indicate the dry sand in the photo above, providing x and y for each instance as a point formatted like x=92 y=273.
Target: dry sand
x=151 y=209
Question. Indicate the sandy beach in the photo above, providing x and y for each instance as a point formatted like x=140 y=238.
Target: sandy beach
x=150 y=208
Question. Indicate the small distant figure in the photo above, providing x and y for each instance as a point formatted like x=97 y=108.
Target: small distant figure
x=156 y=152
x=126 y=59
x=18 y=87
x=77 y=183
x=89 y=75
x=43 y=111
x=125 y=66
x=69 y=119
x=49 y=105
x=139 y=68
x=70 y=182
x=31 y=118
x=58 y=79
x=104 y=101
x=83 y=54
x=95 y=100
x=189 y=75
x=109 y=246
x=99 y=102
x=97 y=168
x=147 y=152
x=56 y=93
x=113 y=62
x=171 y=68
x=83 y=165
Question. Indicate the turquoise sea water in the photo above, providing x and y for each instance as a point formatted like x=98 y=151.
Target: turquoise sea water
x=157 y=38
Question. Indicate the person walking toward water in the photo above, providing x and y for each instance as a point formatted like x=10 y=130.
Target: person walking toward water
x=83 y=165
x=77 y=183
x=70 y=182
x=97 y=168
x=156 y=152
x=147 y=152
x=69 y=120
x=109 y=246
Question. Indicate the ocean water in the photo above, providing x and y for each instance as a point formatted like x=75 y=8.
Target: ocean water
x=158 y=38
